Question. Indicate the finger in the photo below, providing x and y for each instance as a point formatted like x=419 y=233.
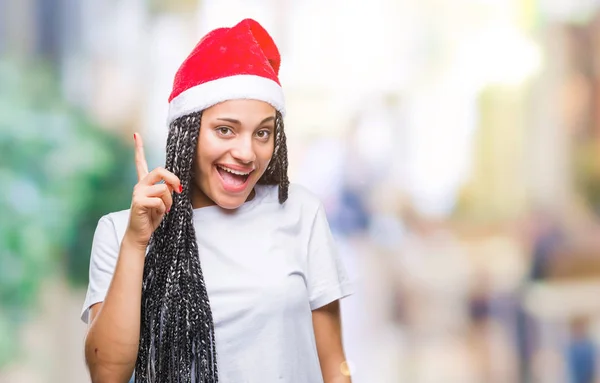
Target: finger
x=140 y=158
x=162 y=174
x=153 y=203
x=161 y=191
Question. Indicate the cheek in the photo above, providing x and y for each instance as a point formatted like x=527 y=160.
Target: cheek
x=265 y=154
x=207 y=152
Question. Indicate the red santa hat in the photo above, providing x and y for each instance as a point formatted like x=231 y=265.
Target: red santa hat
x=241 y=62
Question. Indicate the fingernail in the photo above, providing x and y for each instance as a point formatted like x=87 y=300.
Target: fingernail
x=168 y=210
x=180 y=189
x=134 y=137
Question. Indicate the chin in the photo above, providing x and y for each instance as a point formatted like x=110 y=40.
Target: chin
x=231 y=202
x=230 y=205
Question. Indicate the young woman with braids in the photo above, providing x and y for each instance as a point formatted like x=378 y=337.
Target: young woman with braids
x=221 y=270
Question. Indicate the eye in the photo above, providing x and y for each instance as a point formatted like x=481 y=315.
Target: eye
x=224 y=131
x=263 y=134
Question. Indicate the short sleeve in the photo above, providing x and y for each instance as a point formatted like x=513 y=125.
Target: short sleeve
x=103 y=260
x=327 y=277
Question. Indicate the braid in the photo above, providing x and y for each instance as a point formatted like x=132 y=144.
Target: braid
x=276 y=173
x=177 y=341
x=177 y=335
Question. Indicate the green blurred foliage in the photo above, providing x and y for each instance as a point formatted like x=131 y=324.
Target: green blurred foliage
x=59 y=173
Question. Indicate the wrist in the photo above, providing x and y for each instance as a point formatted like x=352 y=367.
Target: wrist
x=133 y=243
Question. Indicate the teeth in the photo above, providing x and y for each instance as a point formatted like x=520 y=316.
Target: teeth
x=233 y=171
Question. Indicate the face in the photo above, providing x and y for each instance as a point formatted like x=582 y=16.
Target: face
x=235 y=146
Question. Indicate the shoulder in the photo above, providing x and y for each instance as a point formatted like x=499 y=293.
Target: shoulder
x=117 y=218
x=298 y=196
x=113 y=225
x=302 y=195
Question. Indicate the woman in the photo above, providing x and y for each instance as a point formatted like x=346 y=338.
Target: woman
x=219 y=261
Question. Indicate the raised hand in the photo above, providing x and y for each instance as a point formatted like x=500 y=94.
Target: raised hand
x=152 y=197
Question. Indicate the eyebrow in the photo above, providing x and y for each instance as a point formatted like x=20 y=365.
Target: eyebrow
x=237 y=122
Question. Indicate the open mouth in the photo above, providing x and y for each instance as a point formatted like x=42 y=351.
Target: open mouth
x=233 y=180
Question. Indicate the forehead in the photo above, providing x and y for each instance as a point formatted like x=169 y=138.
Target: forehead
x=241 y=110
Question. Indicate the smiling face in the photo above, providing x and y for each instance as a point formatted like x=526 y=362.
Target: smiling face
x=235 y=146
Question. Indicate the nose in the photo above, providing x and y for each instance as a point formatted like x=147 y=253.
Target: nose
x=243 y=151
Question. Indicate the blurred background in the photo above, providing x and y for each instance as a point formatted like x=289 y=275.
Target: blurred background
x=455 y=145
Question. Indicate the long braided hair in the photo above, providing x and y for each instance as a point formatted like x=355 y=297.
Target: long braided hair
x=177 y=336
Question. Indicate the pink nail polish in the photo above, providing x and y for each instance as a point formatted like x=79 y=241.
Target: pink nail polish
x=134 y=137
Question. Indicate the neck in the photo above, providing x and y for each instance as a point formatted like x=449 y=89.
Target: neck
x=199 y=199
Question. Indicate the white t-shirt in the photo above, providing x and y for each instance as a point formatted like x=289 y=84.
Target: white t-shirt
x=266 y=267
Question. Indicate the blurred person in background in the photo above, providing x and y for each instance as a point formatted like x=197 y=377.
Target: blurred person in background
x=581 y=352
x=220 y=261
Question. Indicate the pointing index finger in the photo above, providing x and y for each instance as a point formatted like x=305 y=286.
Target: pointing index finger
x=140 y=158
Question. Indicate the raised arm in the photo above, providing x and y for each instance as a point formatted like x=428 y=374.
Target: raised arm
x=112 y=341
